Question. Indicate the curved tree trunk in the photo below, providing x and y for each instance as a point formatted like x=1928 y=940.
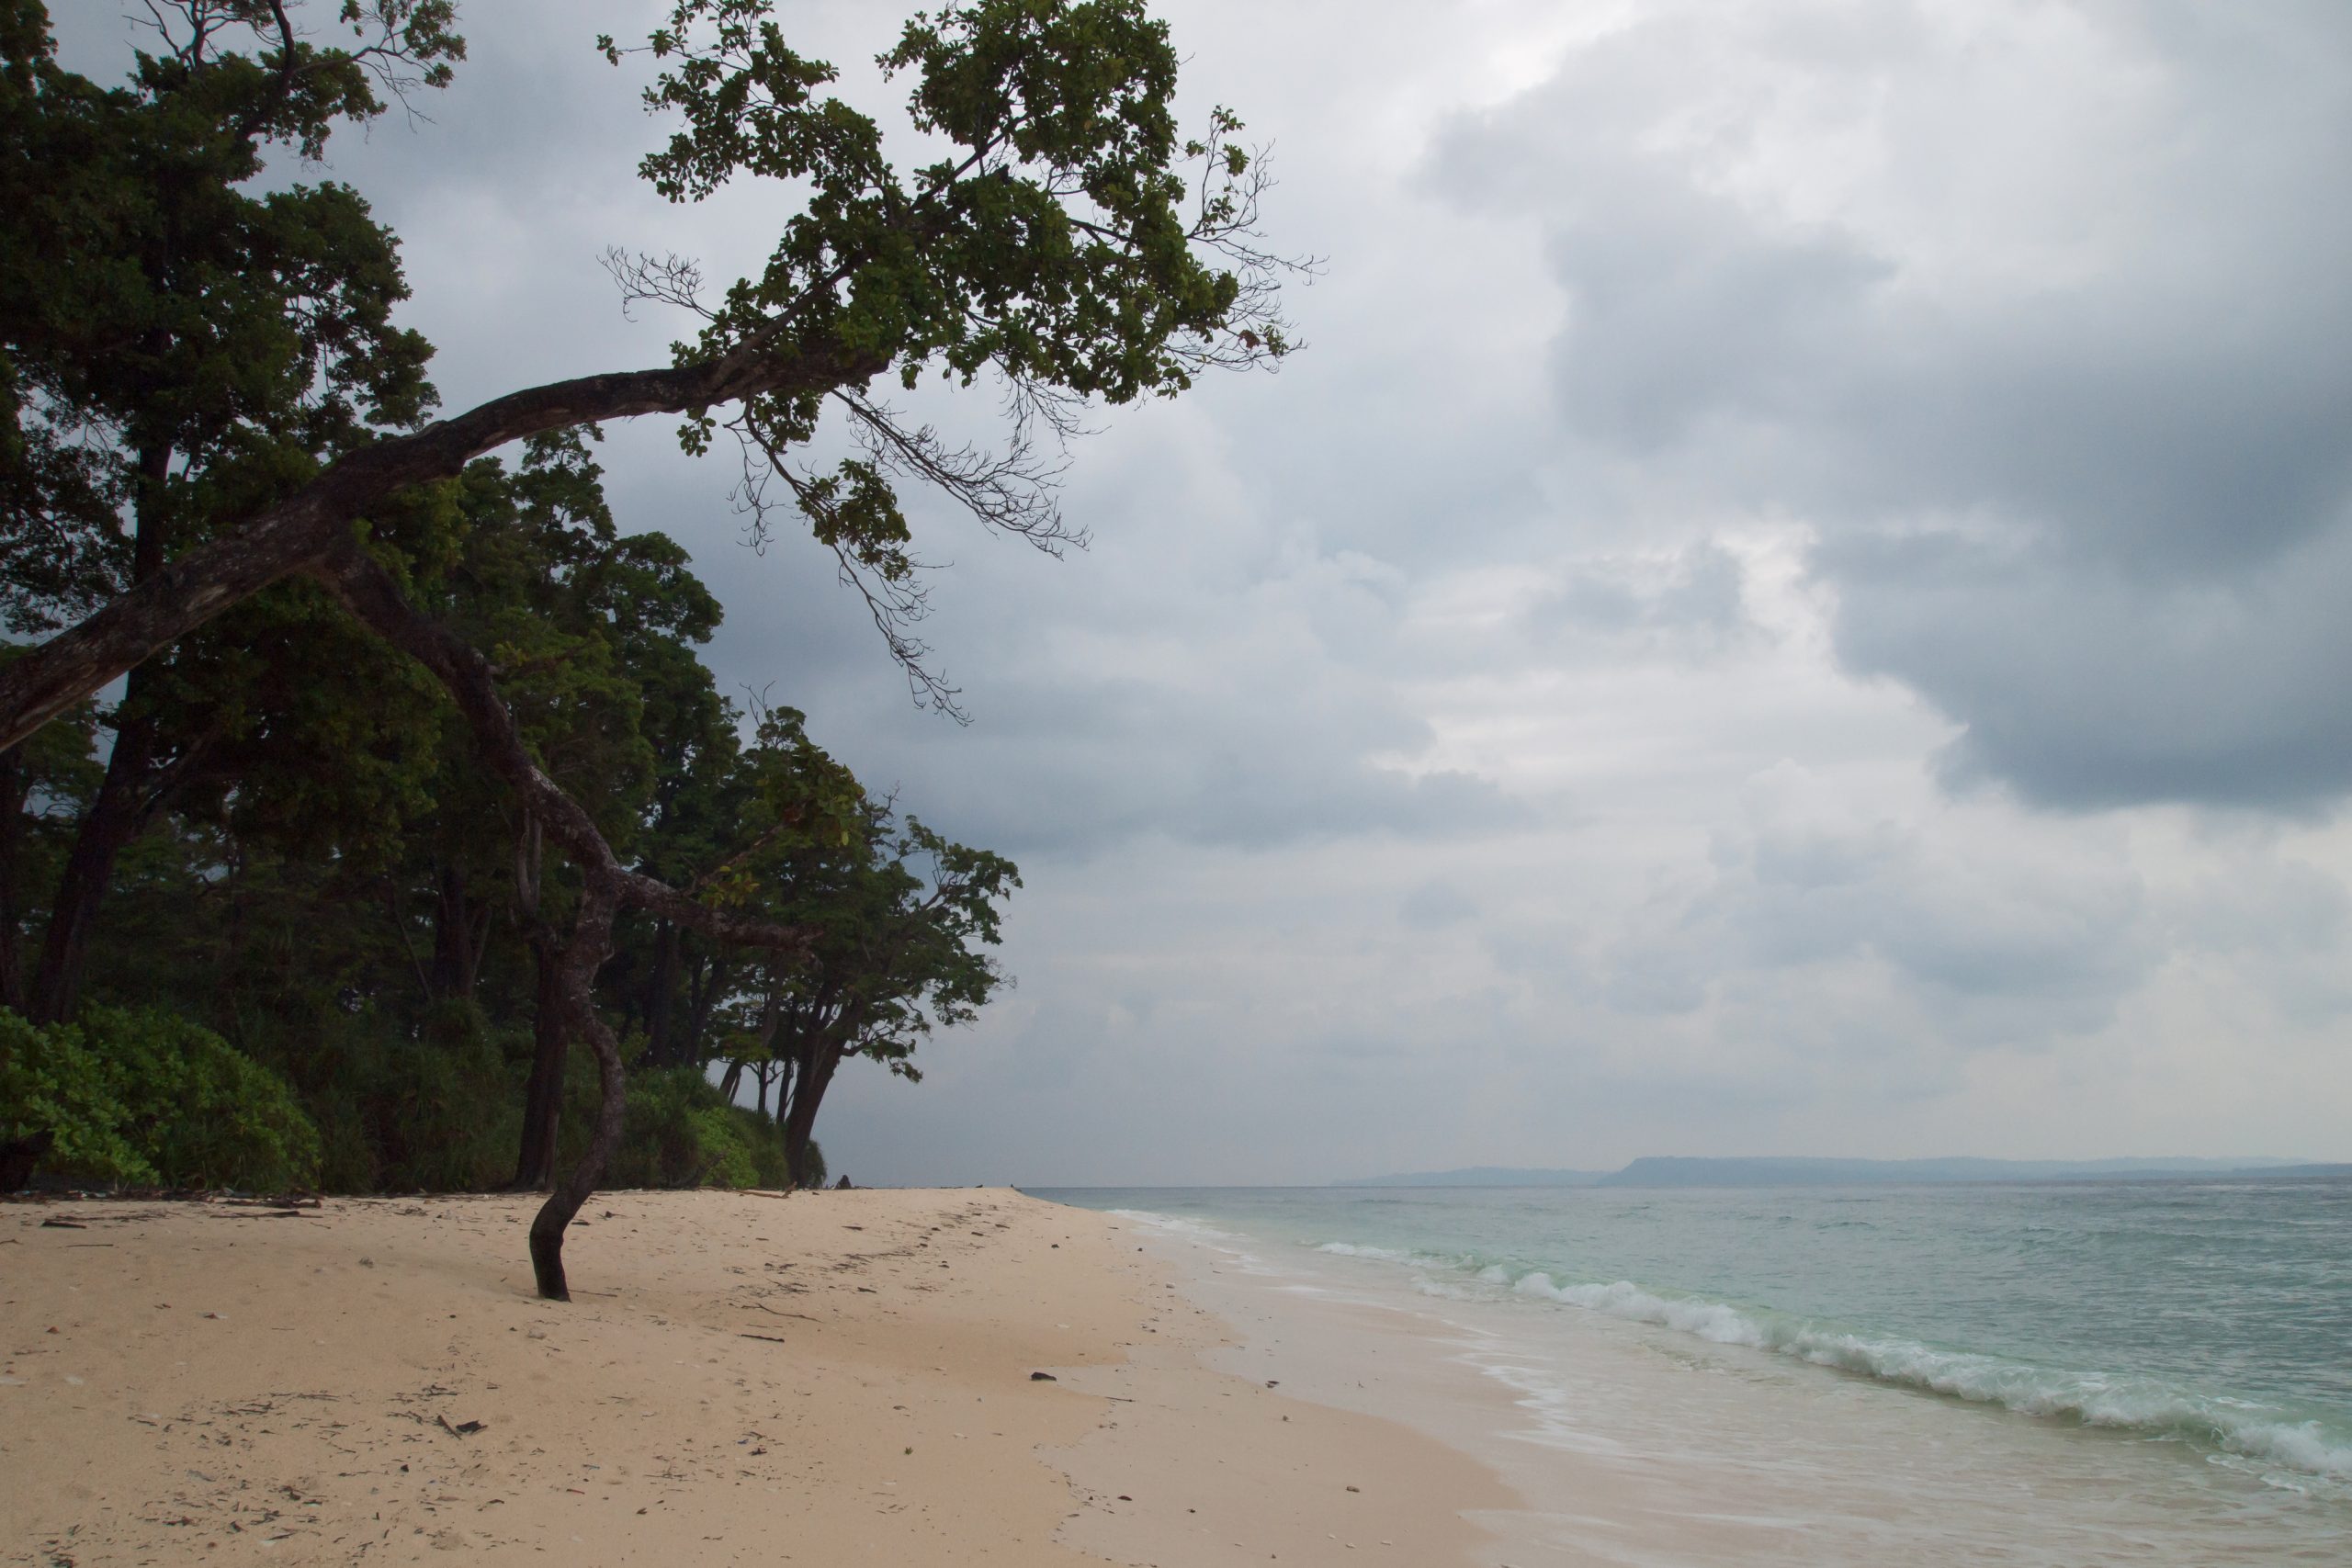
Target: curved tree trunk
x=371 y=593
x=800 y=1122
x=311 y=533
x=583 y=954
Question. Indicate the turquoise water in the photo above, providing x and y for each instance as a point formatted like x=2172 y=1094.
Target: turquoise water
x=2216 y=1316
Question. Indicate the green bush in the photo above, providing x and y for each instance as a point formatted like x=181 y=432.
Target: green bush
x=149 y=1099
x=49 y=1083
x=441 y=1112
x=679 y=1133
x=725 y=1147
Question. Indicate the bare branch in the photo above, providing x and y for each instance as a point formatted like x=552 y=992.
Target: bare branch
x=673 y=281
x=1011 y=490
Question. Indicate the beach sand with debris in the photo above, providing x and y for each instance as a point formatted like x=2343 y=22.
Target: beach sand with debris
x=826 y=1378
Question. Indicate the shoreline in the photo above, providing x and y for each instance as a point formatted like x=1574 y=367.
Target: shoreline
x=825 y=1378
x=1632 y=1443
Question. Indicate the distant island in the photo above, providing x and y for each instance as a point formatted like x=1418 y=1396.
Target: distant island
x=1676 y=1170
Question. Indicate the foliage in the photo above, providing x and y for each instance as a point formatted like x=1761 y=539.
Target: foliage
x=175 y=339
x=1069 y=245
x=305 y=852
x=145 y=1098
x=435 y=1113
x=682 y=1133
x=49 y=1082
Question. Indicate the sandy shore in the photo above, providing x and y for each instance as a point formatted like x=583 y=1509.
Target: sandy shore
x=829 y=1377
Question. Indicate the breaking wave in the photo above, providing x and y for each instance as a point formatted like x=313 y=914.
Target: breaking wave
x=2262 y=1437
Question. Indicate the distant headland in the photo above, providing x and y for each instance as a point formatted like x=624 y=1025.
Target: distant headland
x=1677 y=1170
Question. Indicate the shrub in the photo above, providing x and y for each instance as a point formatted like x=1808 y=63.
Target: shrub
x=141 y=1098
x=725 y=1147
x=438 y=1113
x=51 y=1083
x=679 y=1133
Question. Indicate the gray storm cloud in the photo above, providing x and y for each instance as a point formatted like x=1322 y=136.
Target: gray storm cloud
x=2067 y=393
x=1793 y=605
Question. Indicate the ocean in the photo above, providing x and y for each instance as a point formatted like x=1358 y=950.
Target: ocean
x=2063 y=1373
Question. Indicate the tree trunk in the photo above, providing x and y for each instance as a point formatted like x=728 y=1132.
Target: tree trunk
x=550 y=1054
x=370 y=593
x=583 y=954
x=459 y=925
x=663 y=982
x=16 y=785
x=801 y=1120
x=132 y=790
x=710 y=985
x=127 y=801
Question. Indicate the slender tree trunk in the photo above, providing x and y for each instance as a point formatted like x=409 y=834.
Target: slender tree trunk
x=664 y=980
x=583 y=954
x=129 y=795
x=730 y=1081
x=765 y=1041
x=16 y=786
x=815 y=1077
x=460 y=924
x=125 y=805
x=550 y=1054
x=713 y=987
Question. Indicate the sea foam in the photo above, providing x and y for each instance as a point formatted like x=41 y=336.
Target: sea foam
x=2241 y=1430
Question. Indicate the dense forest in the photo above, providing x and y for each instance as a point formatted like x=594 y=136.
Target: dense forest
x=308 y=864
x=361 y=765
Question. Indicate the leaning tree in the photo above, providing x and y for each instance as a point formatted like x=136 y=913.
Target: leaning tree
x=1070 y=245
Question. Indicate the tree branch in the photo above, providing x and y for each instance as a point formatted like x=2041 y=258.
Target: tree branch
x=298 y=533
x=369 y=591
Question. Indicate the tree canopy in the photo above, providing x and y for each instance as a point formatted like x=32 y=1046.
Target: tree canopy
x=218 y=444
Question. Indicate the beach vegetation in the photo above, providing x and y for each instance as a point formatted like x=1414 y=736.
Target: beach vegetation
x=415 y=740
x=146 y=1099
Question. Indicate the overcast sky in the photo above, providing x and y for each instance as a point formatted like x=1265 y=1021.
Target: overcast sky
x=1795 y=604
